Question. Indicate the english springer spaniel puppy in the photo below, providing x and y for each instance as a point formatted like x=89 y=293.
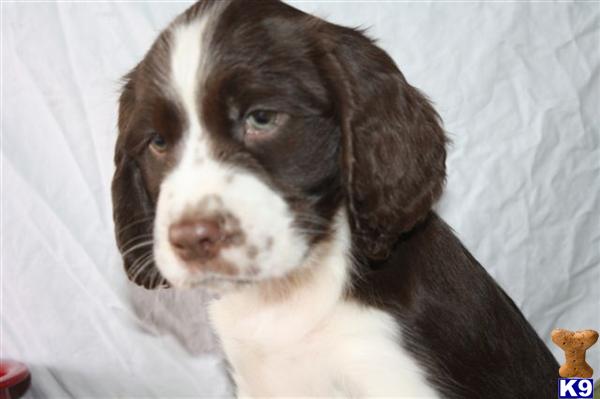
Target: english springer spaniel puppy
x=285 y=163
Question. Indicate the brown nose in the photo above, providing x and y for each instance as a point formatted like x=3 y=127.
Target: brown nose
x=196 y=239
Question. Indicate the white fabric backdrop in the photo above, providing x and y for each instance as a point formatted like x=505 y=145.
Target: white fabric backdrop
x=517 y=85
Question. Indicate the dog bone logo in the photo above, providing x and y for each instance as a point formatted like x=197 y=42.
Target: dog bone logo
x=575 y=344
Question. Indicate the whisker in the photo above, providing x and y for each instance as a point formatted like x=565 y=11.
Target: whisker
x=158 y=279
x=144 y=262
x=313 y=222
x=138 y=264
x=150 y=277
x=311 y=231
x=136 y=238
x=140 y=259
x=313 y=218
x=135 y=222
x=137 y=246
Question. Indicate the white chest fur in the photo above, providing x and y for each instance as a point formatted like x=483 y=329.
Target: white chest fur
x=352 y=354
x=312 y=342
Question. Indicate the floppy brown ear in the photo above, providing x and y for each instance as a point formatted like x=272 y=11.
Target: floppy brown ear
x=133 y=210
x=393 y=144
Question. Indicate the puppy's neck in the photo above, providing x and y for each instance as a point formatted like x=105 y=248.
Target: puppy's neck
x=279 y=312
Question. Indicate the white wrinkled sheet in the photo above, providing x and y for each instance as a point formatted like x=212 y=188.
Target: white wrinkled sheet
x=518 y=88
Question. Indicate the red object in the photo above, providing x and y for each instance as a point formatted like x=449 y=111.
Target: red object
x=11 y=374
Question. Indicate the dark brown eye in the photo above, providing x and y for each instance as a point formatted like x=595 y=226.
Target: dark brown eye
x=158 y=144
x=262 y=122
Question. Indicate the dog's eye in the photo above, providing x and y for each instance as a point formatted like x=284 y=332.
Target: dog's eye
x=262 y=122
x=158 y=144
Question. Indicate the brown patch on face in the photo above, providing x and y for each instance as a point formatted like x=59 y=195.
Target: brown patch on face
x=235 y=235
x=238 y=239
x=269 y=243
x=252 y=251
x=273 y=67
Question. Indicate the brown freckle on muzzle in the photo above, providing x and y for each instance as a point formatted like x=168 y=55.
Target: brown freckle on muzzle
x=269 y=243
x=231 y=224
x=236 y=239
x=252 y=251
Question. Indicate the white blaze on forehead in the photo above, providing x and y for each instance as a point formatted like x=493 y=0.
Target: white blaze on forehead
x=188 y=64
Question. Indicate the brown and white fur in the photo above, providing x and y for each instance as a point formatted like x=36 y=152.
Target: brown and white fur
x=315 y=228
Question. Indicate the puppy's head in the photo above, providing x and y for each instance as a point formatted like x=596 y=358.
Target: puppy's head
x=247 y=128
